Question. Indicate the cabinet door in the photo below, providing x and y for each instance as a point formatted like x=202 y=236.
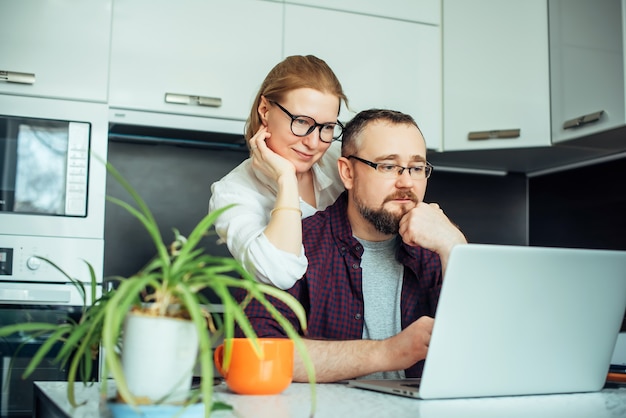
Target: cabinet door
x=495 y=74
x=192 y=57
x=587 y=63
x=380 y=62
x=424 y=11
x=55 y=48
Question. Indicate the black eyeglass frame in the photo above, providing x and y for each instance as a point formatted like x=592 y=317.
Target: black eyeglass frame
x=312 y=128
x=428 y=168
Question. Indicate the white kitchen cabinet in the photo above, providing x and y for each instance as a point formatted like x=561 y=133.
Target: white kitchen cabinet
x=380 y=62
x=423 y=11
x=191 y=57
x=495 y=74
x=587 y=64
x=55 y=48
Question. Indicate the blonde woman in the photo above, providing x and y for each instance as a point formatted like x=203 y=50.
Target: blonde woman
x=293 y=134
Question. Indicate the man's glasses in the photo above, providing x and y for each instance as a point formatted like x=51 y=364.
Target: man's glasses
x=417 y=172
x=303 y=125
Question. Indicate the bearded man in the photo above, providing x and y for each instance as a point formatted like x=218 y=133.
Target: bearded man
x=376 y=259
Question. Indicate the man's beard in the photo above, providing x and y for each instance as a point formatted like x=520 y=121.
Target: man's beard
x=384 y=221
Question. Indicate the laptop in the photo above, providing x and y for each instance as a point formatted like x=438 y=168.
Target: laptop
x=516 y=320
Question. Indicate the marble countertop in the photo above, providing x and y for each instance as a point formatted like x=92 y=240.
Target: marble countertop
x=338 y=400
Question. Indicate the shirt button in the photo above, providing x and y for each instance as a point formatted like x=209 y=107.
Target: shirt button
x=357 y=316
x=355 y=266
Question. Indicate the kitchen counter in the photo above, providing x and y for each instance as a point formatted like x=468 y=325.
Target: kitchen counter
x=337 y=400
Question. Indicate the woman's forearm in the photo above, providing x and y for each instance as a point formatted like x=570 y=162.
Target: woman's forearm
x=284 y=229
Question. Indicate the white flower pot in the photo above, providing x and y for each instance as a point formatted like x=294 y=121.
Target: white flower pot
x=158 y=357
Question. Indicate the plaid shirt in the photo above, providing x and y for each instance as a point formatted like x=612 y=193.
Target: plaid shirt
x=330 y=291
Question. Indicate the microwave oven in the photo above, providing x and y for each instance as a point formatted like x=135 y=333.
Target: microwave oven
x=52 y=197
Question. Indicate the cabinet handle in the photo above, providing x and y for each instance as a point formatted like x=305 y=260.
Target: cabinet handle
x=497 y=134
x=15 y=77
x=187 y=99
x=583 y=120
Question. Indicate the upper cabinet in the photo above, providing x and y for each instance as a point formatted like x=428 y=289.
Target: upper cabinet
x=55 y=49
x=587 y=67
x=424 y=11
x=191 y=57
x=495 y=74
x=380 y=61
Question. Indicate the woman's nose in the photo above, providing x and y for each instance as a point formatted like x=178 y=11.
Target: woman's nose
x=312 y=140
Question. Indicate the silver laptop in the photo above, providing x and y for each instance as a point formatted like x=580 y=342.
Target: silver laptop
x=514 y=320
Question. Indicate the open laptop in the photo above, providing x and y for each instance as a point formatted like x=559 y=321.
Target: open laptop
x=514 y=320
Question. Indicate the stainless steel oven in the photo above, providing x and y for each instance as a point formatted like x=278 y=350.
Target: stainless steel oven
x=52 y=200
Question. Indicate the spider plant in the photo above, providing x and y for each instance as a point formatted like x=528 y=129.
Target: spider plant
x=170 y=285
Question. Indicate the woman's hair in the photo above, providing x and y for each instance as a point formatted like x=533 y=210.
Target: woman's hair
x=351 y=140
x=293 y=73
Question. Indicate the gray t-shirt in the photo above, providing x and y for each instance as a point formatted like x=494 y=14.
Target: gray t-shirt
x=382 y=288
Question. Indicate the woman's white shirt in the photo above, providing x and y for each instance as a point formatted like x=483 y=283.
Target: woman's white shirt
x=254 y=196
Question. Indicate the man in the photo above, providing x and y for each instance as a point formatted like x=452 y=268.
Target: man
x=376 y=258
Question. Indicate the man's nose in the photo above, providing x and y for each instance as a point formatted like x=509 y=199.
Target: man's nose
x=404 y=178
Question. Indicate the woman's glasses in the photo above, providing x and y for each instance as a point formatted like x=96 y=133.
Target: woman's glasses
x=302 y=125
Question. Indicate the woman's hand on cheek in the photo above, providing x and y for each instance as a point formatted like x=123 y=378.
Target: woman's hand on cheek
x=266 y=160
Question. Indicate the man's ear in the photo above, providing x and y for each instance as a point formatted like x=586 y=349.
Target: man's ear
x=263 y=109
x=346 y=172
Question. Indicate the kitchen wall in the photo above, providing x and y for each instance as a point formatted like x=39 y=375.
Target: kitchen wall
x=581 y=207
x=488 y=209
x=175 y=183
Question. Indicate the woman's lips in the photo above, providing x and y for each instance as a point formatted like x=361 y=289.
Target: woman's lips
x=304 y=155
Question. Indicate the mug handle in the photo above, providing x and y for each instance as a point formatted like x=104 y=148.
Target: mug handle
x=217 y=359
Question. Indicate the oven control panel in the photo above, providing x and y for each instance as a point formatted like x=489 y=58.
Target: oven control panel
x=6 y=261
x=23 y=259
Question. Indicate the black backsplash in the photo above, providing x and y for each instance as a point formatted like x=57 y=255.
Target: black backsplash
x=488 y=209
x=175 y=182
x=583 y=207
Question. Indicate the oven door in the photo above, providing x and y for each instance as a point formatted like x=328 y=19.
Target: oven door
x=16 y=351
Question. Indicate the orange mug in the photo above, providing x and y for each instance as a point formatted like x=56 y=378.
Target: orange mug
x=250 y=374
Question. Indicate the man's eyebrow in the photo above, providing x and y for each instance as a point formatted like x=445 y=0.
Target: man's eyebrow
x=414 y=158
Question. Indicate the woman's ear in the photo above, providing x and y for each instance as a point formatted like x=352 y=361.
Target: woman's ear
x=346 y=172
x=263 y=110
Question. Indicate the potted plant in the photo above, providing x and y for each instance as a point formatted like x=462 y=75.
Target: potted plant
x=168 y=288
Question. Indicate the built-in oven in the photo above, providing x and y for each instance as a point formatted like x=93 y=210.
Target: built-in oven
x=16 y=352
x=52 y=200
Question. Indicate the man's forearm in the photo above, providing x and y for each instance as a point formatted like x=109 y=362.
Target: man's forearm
x=338 y=360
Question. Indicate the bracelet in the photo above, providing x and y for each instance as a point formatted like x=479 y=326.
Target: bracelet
x=285 y=208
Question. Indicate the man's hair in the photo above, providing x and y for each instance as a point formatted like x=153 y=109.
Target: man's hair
x=351 y=141
x=294 y=72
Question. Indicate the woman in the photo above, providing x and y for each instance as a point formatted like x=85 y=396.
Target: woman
x=291 y=172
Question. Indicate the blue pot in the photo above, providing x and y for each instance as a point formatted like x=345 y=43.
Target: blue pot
x=122 y=410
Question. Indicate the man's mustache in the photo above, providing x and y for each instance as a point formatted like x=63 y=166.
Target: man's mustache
x=402 y=195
